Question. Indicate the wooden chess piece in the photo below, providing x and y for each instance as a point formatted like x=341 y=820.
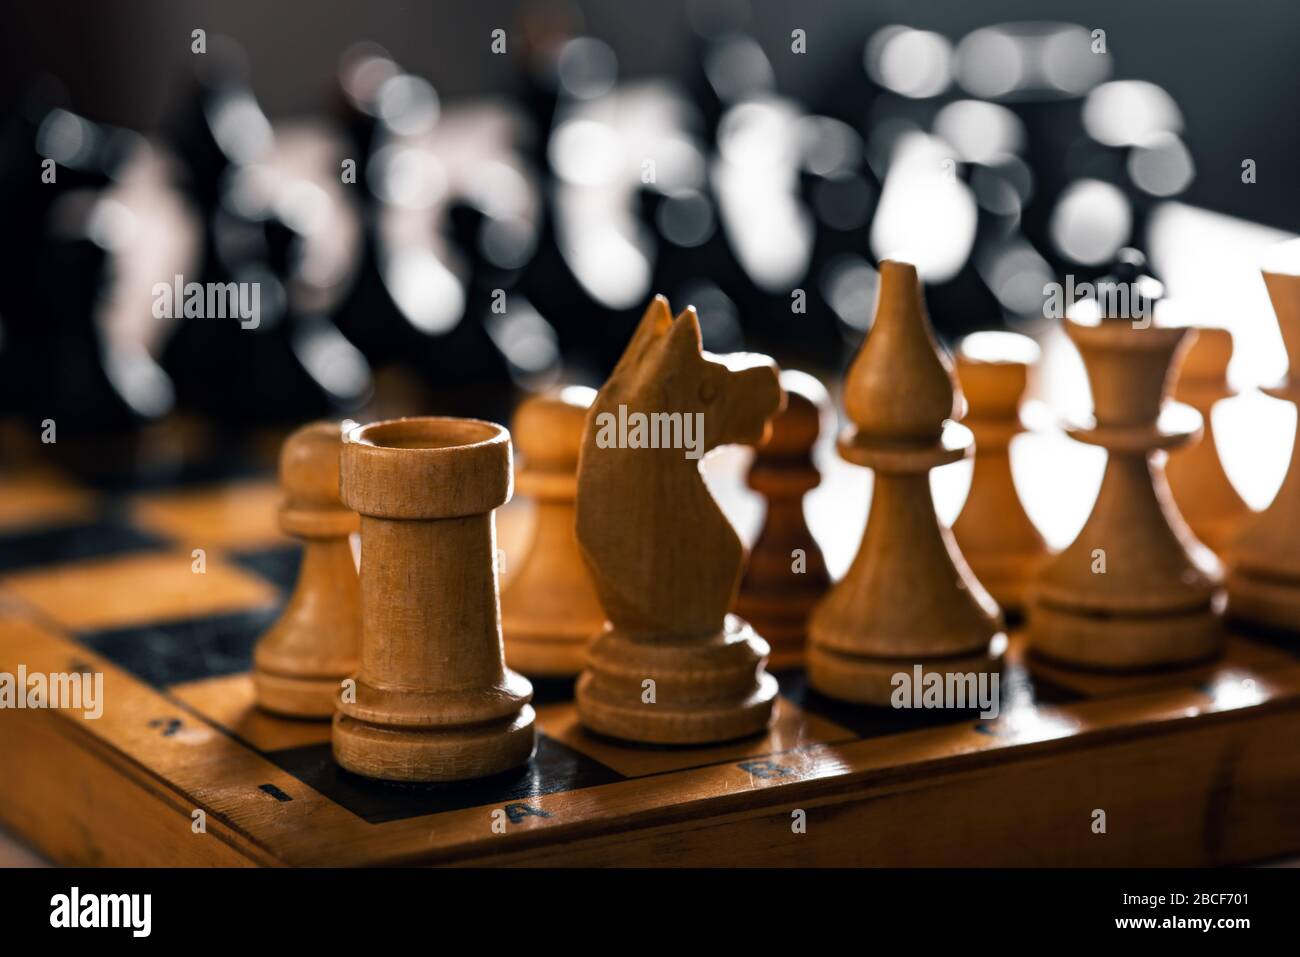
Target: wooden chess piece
x=786 y=573
x=300 y=663
x=1264 y=561
x=909 y=599
x=1135 y=589
x=671 y=666
x=993 y=532
x=549 y=608
x=1201 y=489
x=433 y=699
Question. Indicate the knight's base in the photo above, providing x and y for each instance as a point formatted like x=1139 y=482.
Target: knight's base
x=658 y=690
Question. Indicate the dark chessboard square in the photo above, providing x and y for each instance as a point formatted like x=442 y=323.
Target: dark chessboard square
x=277 y=565
x=42 y=547
x=188 y=650
x=555 y=768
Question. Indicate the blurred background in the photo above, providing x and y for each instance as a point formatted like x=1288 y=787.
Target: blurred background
x=1233 y=72
x=439 y=207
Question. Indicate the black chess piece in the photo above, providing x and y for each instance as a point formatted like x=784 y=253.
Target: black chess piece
x=592 y=332
x=46 y=152
x=362 y=71
x=58 y=363
x=373 y=314
x=692 y=262
x=246 y=353
x=841 y=194
x=966 y=302
x=499 y=342
x=1128 y=291
x=727 y=63
x=1113 y=161
x=219 y=124
x=1050 y=114
x=543 y=29
x=555 y=64
x=65 y=370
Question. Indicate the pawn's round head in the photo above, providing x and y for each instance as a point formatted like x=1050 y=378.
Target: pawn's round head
x=794 y=430
x=309 y=464
x=548 y=428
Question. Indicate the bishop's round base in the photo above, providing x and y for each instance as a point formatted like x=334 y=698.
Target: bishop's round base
x=1270 y=603
x=860 y=679
x=432 y=755
x=675 y=690
x=296 y=697
x=1118 y=642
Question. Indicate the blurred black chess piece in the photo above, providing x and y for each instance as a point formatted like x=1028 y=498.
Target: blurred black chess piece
x=219 y=124
x=966 y=301
x=1133 y=144
x=693 y=265
x=544 y=29
x=67 y=371
x=389 y=311
x=560 y=68
x=56 y=270
x=47 y=151
x=727 y=64
x=363 y=70
x=242 y=352
x=840 y=192
x=1128 y=291
x=897 y=93
x=1059 y=64
x=499 y=342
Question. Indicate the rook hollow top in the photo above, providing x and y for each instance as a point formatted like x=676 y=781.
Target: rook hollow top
x=426 y=468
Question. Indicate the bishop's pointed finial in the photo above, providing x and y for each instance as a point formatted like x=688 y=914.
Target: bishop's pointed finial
x=900 y=349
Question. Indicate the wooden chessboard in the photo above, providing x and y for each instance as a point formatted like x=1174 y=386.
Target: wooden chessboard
x=1193 y=767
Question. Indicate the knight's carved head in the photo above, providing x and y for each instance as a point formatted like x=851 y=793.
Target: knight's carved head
x=664 y=369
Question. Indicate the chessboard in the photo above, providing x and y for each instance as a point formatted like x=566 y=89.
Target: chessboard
x=165 y=584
